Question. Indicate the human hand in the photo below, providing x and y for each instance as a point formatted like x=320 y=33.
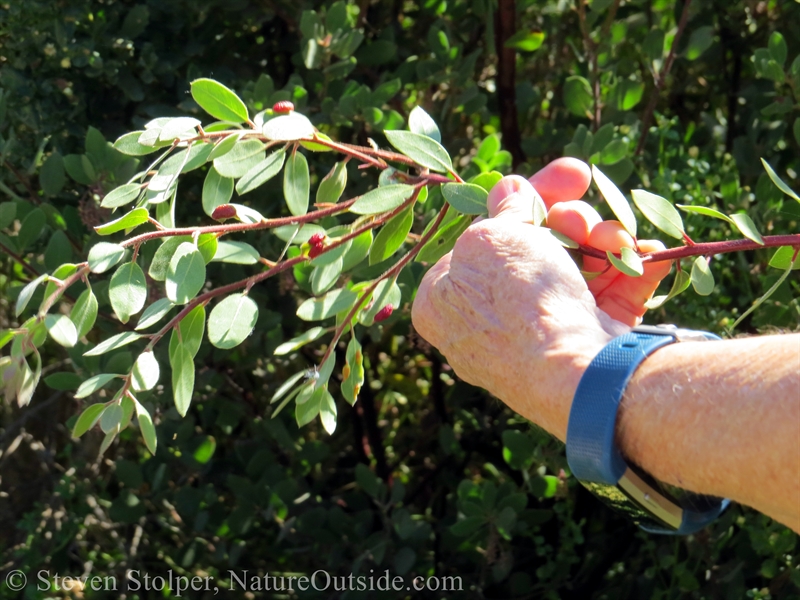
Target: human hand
x=510 y=309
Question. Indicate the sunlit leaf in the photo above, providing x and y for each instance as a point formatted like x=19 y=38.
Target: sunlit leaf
x=702 y=278
x=629 y=262
x=421 y=122
x=660 y=212
x=232 y=320
x=615 y=200
x=382 y=199
x=422 y=149
x=218 y=101
x=296 y=184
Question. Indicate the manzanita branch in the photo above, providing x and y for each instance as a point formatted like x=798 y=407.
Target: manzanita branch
x=391 y=272
x=225 y=289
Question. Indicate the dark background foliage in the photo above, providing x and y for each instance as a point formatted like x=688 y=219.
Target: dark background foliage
x=425 y=475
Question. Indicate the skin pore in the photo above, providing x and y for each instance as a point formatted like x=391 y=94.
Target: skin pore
x=511 y=312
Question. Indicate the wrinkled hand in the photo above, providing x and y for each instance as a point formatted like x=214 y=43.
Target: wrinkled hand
x=510 y=309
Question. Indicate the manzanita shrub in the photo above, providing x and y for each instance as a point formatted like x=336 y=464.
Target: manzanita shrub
x=424 y=475
x=326 y=242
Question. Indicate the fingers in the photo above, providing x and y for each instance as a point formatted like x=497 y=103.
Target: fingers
x=574 y=218
x=512 y=197
x=561 y=180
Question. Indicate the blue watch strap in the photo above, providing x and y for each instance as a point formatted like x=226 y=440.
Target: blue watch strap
x=593 y=456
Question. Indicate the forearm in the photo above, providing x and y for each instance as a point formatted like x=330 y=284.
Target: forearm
x=720 y=418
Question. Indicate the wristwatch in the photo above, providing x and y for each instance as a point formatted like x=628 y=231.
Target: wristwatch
x=593 y=456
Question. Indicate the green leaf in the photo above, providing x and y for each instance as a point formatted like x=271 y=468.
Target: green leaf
x=205 y=451
x=769 y=292
x=84 y=312
x=161 y=259
x=487 y=180
x=133 y=219
x=298 y=235
x=327 y=411
x=615 y=200
x=704 y=210
x=114 y=342
x=154 y=313
x=782 y=259
x=333 y=184
x=578 y=96
x=245 y=155
x=262 y=172
x=468 y=526
x=245 y=214
x=190 y=332
x=51 y=175
x=745 y=224
x=466 y=198
x=286 y=386
x=237 y=253
x=421 y=122
x=63 y=380
x=91 y=385
x=105 y=255
x=182 y=364
x=79 y=167
x=232 y=320
x=31 y=228
x=125 y=194
x=700 y=41
x=296 y=184
x=422 y=149
x=777 y=48
x=62 y=330
x=207 y=244
x=299 y=341
x=288 y=128
x=317 y=309
x=186 y=274
x=324 y=276
x=358 y=251
x=382 y=199
x=111 y=417
x=224 y=146
x=391 y=236
x=353 y=372
x=129 y=144
x=679 y=285
x=127 y=291
x=88 y=418
x=178 y=128
x=779 y=183
x=444 y=239
x=217 y=190
x=146 y=427
x=660 y=212
x=702 y=278
x=8 y=210
x=526 y=41
x=27 y=293
x=145 y=373
x=308 y=410
x=630 y=263
x=218 y=101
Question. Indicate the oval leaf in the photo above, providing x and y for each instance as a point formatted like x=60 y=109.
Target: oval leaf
x=182 y=364
x=133 y=219
x=296 y=184
x=186 y=274
x=466 y=198
x=84 y=312
x=382 y=199
x=629 y=262
x=232 y=320
x=217 y=190
x=218 y=101
x=88 y=418
x=421 y=149
x=702 y=278
x=127 y=291
x=114 y=342
x=421 y=122
x=287 y=128
x=316 y=309
x=91 y=385
x=105 y=255
x=124 y=194
x=261 y=173
x=660 y=212
x=145 y=372
x=62 y=330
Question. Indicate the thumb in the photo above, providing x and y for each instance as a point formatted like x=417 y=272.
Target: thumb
x=512 y=197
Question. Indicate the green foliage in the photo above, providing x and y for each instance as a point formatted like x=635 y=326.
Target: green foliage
x=426 y=475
